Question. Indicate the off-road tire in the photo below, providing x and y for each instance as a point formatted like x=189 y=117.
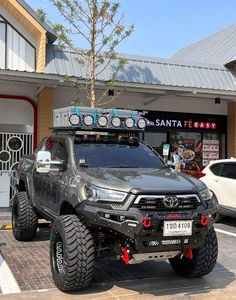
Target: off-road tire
x=24 y=218
x=71 y=254
x=204 y=258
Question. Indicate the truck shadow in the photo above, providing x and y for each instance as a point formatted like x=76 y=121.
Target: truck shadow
x=154 y=278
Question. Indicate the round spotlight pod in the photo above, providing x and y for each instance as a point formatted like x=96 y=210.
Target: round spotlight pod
x=129 y=123
x=102 y=121
x=88 y=120
x=115 y=122
x=142 y=123
x=74 y=120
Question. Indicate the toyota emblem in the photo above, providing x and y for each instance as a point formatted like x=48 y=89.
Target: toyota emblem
x=170 y=202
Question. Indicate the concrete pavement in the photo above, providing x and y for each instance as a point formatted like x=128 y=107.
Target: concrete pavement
x=29 y=263
x=141 y=290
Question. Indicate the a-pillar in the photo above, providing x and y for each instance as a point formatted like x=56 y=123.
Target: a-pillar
x=231 y=130
x=44 y=103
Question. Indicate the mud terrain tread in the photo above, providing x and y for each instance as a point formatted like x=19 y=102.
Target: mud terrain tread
x=27 y=219
x=204 y=258
x=78 y=251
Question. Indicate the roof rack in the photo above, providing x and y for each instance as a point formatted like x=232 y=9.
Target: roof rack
x=74 y=118
x=94 y=131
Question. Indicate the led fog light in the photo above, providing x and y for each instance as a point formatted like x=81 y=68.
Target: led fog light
x=88 y=120
x=129 y=123
x=116 y=122
x=102 y=121
x=141 y=123
x=74 y=120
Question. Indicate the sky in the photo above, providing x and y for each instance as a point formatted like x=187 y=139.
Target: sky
x=162 y=27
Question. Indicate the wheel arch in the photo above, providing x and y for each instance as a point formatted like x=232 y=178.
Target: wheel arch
x=22 y=187
x=67 y=208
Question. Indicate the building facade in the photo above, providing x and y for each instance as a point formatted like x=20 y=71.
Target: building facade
x=190 y=99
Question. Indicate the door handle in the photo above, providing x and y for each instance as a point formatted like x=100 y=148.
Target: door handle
x=217 y=180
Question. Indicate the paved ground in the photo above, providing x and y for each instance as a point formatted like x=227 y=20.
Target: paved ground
x=29 y=264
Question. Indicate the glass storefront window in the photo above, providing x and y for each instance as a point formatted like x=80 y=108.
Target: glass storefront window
x=197 y=147
x=156 y=140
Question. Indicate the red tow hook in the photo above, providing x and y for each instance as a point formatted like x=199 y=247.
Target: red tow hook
x=204 y=220
x=189 y=253
x=147 y=222
x=125 y=256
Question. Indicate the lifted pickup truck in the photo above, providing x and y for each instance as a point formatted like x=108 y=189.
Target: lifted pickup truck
x=106 y=191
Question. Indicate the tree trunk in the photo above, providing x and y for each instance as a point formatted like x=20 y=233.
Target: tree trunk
x=92 y=59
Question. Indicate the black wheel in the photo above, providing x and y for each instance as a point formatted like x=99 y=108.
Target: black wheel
x=24 y=218
x=204 y=258
x=71 y=254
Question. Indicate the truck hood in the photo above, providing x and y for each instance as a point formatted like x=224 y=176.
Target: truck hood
x=140 y=180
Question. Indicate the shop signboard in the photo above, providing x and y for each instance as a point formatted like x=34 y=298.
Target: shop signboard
x=186 y=121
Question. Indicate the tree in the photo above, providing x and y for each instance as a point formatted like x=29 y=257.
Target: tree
x=101 y=25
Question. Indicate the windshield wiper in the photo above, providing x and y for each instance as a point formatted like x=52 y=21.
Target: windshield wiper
x=121 y=166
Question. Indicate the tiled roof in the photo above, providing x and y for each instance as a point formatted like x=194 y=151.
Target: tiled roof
x=147 y=70
x=218 y=48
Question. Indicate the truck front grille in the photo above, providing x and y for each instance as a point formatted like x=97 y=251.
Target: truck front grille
x=167 y=202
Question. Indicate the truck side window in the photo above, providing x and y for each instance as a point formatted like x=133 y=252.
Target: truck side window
x=50 y=146
x=60 y=153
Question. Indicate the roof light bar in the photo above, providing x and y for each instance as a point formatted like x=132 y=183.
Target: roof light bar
x=98 y=118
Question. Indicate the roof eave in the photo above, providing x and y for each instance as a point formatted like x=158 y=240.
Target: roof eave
x=50 y=32
x=59 y=80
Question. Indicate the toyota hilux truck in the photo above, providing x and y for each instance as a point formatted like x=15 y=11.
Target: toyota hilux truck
x=107 y=192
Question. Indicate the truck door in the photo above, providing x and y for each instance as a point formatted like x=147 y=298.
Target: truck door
x=40 y=181
x=54 y=179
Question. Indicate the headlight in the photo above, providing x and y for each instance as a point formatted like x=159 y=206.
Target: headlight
x=97 y=194
x=206 y=194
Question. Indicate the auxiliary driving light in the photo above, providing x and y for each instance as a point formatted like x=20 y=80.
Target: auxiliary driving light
x=141 y=123
x=74 y=120
x=102 y=121
x=129 y=123
x=88 y=120
x=115 y=122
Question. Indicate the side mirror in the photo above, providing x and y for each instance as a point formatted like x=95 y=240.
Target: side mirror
x=43 y=161
x=44 y=164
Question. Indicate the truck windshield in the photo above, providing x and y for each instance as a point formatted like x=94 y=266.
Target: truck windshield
x=116 y=155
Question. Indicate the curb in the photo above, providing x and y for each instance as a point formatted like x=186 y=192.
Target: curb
x=6 y=227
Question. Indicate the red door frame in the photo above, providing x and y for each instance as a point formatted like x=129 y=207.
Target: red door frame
x=33 y=104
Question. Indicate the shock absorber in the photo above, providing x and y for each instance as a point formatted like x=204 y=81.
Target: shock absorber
x=125 y=255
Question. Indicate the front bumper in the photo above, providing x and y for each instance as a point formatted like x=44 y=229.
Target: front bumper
x=129 y=226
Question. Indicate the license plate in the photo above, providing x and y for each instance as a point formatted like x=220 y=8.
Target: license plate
x=177 y=228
